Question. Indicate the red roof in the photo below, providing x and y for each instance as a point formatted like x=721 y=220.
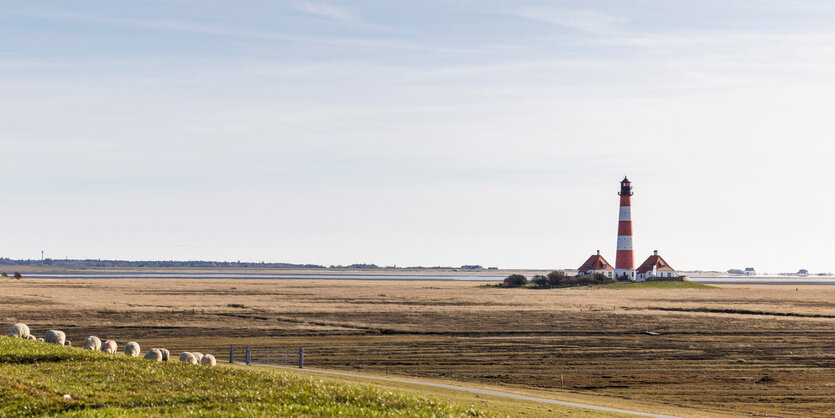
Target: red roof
x=657 y=262
x=595 y=262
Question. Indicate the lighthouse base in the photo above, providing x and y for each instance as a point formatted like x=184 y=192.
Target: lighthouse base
x=630 y=274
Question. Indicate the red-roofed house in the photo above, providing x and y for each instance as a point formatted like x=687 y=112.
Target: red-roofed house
x=655 y=266
x=596 y=264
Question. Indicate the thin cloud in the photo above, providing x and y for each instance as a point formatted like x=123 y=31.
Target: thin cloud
x=328 y=11
x=721 y=38
x=347 y=18
x=337 y=14
x=160 y=24
x=590 y=21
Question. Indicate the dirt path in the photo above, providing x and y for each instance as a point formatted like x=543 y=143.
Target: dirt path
x=486 y=392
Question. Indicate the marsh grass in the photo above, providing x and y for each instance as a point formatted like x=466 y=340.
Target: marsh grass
x=658 y=285
x=708 y=356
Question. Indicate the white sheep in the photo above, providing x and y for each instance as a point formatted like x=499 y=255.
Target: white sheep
x=31 y=337
x=132 y=349
x=68 y=343
x=19 y=331
x=109 y=347
x=166 y=355
x=198 y=356
x=41 y=340
x=208 y=360
x=92 y=343
x=187 y=357
x=55 y=337
x=154 y=354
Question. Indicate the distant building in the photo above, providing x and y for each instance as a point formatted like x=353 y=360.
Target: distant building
x=749 y=271
x=655 y=266
x=596 y=264
x=803 y=272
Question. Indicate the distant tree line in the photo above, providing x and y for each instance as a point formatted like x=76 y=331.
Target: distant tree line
x=558 y=278
x=355 y=266
x=198 y=264
x=161 y=263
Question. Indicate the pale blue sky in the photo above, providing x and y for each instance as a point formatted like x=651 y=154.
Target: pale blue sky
x=419 y=133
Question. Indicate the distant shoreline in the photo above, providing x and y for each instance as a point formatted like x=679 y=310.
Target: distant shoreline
x=368 y=274
x=92 y=266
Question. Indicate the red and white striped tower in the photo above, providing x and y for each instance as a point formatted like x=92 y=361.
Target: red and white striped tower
x=624 y=258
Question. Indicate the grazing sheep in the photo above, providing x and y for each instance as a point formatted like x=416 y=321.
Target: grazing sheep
x=55 y=337
x=132 y=349
x=198 y=356
x=165 y=354
x=92 y=343
x=153 y=354
x=19 y=331
x=41 y=340
x=31 y=337
x=187 y=357
x=208 y=360
x=109 y=347
x=68 y=343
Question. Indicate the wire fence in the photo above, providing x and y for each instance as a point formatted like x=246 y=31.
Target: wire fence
x=246 y=354
x=267 y=356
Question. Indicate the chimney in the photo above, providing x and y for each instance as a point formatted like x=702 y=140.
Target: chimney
x=598 y=252
x=655 y=252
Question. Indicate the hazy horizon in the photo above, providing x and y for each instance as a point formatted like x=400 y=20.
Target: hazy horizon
x=447 y=133
x=354 y=266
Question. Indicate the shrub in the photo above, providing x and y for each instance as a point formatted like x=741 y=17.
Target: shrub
x=600 y=278
x=556 y=278
x=17 y=275
x=584 y=280
x=539 y=280
x=665 y=279
x=515 y=280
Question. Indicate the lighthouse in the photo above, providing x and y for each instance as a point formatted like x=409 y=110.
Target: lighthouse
x=624 y=258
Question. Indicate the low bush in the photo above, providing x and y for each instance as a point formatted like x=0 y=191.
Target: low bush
x=601 y=278
x=556 y=278
x=515 y=280
x=665 y=279
x=539 y=280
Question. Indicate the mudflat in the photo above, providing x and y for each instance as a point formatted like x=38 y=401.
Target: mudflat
x=727 y=350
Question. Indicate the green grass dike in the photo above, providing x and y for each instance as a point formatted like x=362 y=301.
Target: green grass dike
x=658 y=285
x=34 y=377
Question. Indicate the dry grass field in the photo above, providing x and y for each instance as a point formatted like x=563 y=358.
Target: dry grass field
x=777 y=358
